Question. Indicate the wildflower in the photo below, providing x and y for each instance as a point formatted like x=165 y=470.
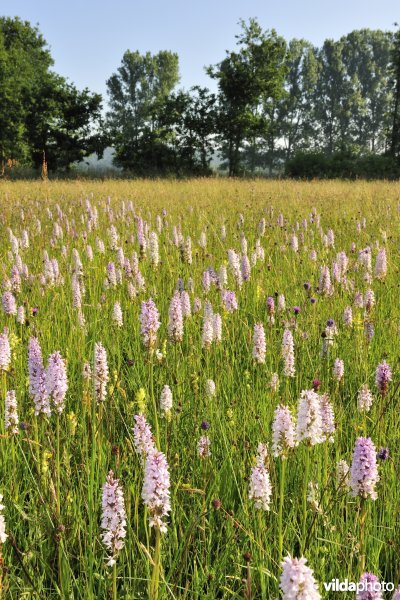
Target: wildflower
x=185 y=304
x=281 y=302
x=274 y=383
x=166 y=400
x=383 y=454
x=142 y=437
x=10 y=413
x=176 y=236
x=3 y=535
x=297 y=580
x=21 y=315
x=222 y=278
x=37 y=378
x=316 y=384
x=210 y=388
x=358 y=300
x=369 y=300
x=364 y=471
x=156 y=489
x=327 y=418
x=206 y=281
x=175 y=323
x=312 y=496
x=159 y=355
x=77 y=263
x=113 y=520
x=229 y=301
x=141 y=235
x=383 y=377
x=381 y=264
x=369 y=330
x=325 y=285
x=203 y=240
x=245 y=267
x=364 y=258
x=288 y=354
x=120 y=257
x=364 y=399
x=338 y=370
x=262 y=454
x=336 y=272
x=9 y=304
x=217 y=327
x=117 y=315
x=24 y=239
x=203 y=446
x=196 y=305
x=153 y=249
x=56 y=381
x=309 y=419
x=348 y=316
x=271 y=309
x=283 y=434
x=5 y=351
x=259 y=346
x=111 y=274
x=132 y=292
x=294 y=243
x=342 y=474
x=140 y=281
x=149 y=323
x=234 y=264
x=113 y=237
x=260 y=486
x=15 y=280
x=331 y=238
x=207 y=337
x=328 y=336
x=76 y=292
x=331 y=329
x=370 y=588
x=100 y=369
x=343 y=263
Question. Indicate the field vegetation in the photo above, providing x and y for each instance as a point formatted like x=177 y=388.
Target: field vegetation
x=264 y=294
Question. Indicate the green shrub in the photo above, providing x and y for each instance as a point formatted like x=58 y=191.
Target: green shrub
x=343 y=165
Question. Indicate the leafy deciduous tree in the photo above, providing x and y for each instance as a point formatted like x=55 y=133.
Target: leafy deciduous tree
x=136 y=93
x=246 y=79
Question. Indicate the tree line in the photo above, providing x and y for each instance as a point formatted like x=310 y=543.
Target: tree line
x=278 y=105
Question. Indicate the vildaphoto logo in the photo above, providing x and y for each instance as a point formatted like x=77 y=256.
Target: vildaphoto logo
x=335 y=585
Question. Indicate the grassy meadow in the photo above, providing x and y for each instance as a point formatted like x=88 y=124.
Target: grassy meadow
x=217 y=543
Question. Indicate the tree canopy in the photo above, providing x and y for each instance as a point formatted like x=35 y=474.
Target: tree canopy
x=41 y=114
x=275 y=101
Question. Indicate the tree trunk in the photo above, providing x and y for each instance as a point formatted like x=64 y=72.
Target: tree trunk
x=395 y=138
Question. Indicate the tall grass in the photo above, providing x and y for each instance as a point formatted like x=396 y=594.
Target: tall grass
x=53 y=470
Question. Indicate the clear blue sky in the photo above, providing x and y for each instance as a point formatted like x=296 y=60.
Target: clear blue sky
x=88 y=37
